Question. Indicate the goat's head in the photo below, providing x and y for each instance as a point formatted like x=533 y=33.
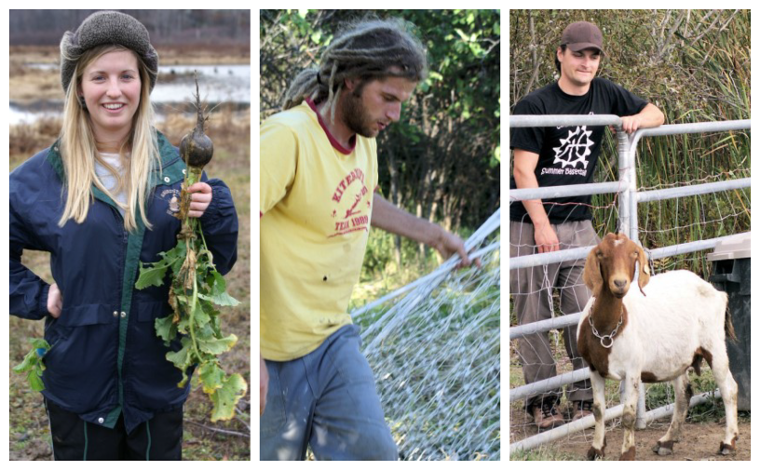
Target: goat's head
x=612 y=265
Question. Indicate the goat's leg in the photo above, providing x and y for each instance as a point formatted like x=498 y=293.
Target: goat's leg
x=629 y=416
x=597 y=447
x=683 y=396
x=729 y=391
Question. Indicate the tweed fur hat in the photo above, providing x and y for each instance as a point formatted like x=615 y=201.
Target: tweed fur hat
x=102 y=28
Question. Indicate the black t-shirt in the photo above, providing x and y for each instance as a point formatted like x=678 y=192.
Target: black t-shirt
x=568 y=155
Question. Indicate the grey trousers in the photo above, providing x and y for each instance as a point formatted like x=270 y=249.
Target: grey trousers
x=532 y=291
x=326 y=400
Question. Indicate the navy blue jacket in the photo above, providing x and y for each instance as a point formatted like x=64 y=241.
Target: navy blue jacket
x=105 y=357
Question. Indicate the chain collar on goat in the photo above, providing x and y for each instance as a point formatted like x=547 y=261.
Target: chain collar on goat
x=611 y=336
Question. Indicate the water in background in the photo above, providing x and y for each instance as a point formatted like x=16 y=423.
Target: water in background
x=175 y=88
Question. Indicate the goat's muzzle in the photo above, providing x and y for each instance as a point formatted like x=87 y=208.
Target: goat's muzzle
x=619 y=287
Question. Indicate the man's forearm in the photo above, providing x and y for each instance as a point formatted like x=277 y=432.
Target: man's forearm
x=390 y=218
x=534 y=207
x=651 y=116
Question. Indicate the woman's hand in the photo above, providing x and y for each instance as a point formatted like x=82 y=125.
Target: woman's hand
x=54 y=301
x=200 y=198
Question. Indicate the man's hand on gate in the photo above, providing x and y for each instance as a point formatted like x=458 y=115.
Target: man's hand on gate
x=546 y=238
x=263 y=385
x=631 y=123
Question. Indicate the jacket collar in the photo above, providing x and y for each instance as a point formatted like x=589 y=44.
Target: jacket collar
x=172 y=166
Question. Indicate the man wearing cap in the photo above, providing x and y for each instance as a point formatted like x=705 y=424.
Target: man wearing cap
x=557 y=156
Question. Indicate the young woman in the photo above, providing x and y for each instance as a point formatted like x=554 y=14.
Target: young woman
x=101 y=200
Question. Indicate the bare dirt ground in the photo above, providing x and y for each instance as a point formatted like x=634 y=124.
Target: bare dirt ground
x=699 y=441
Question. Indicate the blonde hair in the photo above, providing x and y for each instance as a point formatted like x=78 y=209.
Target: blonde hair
x=79 y=149
x=372 y=49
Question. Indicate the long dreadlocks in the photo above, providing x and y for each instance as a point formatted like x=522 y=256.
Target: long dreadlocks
x=368 y=50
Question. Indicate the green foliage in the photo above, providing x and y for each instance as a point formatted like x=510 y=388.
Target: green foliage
x=33 y=364
x=378 y=255
x=661 y=394
x=197 y=289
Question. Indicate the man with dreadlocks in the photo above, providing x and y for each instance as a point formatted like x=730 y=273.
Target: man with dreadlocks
x=318 y=201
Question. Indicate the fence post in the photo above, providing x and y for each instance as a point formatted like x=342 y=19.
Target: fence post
x=627 y=214
x=624 y=203
x=641 y=411
x=634 y=235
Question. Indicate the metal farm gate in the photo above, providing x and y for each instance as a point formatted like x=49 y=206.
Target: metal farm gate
x=628 y=200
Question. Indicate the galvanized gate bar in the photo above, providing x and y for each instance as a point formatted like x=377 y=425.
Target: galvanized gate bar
x=550 y=120
x=580 y=253
x=694 y=128
x=549 y=258
x=553 y=192
x=682 y=248
x=524 y=391
x=556 y=323
x=693 y=190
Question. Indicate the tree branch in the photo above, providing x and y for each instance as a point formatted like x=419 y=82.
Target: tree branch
x=219 y=430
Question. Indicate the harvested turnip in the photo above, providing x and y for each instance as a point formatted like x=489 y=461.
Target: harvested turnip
x=197 y=289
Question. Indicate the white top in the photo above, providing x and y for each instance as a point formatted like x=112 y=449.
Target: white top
x=108 y=180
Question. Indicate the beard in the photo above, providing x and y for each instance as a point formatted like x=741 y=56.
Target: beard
x=355 y=115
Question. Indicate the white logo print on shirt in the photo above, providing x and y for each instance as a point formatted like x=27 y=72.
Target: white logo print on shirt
x=574 y=149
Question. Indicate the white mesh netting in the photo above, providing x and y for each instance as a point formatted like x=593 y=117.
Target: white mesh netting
x=434 y=348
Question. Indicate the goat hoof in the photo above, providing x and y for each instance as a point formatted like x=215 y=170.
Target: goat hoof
x=726 y=449
x=663 y=448
x=594 y=453
x=629 y=454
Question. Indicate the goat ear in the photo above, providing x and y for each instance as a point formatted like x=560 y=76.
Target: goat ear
x=643 y=270
x=592 y=276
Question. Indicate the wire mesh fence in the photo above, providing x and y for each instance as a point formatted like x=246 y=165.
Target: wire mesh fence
x=434 y=349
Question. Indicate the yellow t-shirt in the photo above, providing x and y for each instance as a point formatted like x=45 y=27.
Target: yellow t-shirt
x=316 y=206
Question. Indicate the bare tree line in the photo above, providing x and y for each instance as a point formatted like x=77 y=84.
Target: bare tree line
x=166 y=27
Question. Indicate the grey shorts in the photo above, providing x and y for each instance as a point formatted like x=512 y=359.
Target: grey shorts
x=326 y=400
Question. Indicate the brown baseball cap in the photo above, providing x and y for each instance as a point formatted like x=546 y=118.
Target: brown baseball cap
x=582 y=35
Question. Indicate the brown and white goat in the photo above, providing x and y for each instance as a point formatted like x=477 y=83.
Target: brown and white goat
x=655 y=335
